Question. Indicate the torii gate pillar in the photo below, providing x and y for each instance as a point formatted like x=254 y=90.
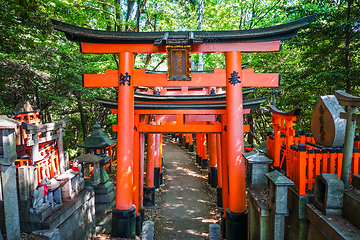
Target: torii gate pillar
x=123 y=215
x=236 y=214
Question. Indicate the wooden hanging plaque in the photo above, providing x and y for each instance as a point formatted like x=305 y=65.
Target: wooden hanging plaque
x=178 y=61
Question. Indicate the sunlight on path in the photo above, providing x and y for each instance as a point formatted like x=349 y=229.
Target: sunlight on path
x=186 y=210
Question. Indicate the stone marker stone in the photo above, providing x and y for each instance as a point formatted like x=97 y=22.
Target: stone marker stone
x=214 y=232
x=24 y=183
x=148 y=230
x=326 y=125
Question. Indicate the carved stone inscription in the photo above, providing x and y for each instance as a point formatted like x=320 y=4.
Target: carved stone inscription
x=327 y=127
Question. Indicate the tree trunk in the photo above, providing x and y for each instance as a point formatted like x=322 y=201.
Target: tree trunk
x=82 y=117
x=347 y=47
x=250 y=139
x=118 y=16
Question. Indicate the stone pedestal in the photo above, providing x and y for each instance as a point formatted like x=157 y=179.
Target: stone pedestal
x=259 y=217
x=278 y=203
x=104 y=191
x=73 y=184
x=298 y=224
x=10 y=202
x=329 y=194
x=257 y=166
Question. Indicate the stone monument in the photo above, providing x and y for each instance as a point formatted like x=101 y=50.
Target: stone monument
x=326 y=125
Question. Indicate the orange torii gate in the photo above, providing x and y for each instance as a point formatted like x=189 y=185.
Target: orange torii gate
x=232 y=43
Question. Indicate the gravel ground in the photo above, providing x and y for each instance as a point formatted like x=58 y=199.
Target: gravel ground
x=155 y=213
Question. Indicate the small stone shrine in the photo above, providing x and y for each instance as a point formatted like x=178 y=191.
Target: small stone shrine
x=34 y=167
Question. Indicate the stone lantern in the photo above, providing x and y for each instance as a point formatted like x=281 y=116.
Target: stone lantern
x=9 y=128
x=97 y=143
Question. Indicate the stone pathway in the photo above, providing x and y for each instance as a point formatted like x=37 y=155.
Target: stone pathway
x=186 y=212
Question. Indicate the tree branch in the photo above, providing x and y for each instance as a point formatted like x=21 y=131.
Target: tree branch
x=162 y=60
x=266 y=13
x=116 y=60
x=113 y=6
x=99 y=9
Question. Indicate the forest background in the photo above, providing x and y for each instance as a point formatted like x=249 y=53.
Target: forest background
x=41 y=66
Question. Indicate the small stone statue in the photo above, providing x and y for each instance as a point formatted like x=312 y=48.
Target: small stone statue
x=41 y=194
x=38 y=199
x=44 y=184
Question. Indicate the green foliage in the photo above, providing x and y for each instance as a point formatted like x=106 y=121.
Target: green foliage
x=41 y=66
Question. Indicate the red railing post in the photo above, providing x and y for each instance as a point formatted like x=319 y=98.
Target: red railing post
x=277 y=124
x=310 y=168
x=302 y=169
x=332 y=158
x=355 y=165
x=325 y=161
